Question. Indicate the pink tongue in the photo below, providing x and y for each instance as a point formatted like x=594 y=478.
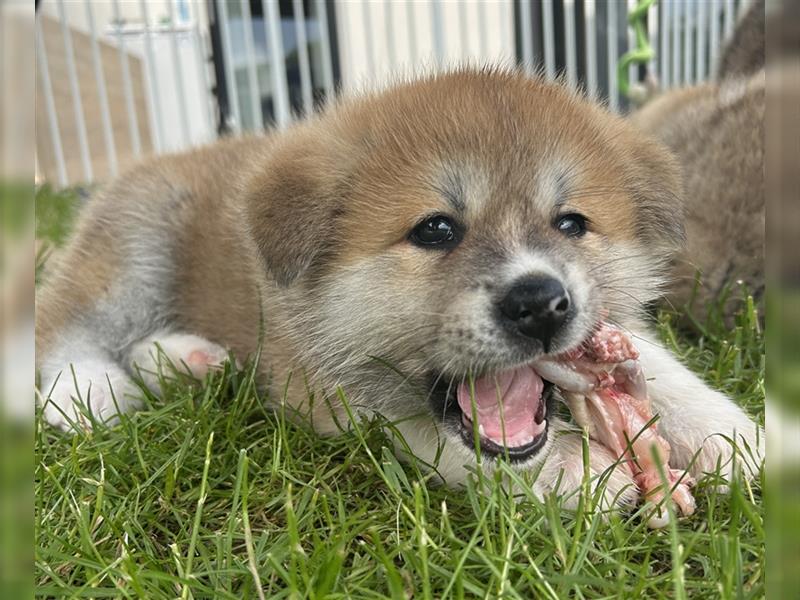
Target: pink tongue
x=519 y=391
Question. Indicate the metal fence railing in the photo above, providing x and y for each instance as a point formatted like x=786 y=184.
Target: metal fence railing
x=119 y=80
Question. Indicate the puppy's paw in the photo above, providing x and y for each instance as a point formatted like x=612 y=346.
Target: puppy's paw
x=563 y=473
x=101 y=389
x=719 y=441
x=182 y=351
x=724 y=450
x=699 y=423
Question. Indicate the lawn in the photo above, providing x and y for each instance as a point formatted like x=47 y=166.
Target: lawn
x=208 y=493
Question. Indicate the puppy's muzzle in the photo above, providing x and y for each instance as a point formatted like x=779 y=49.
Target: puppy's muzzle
x=536 y=307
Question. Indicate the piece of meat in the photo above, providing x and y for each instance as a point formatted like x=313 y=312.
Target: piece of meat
x=606 y=390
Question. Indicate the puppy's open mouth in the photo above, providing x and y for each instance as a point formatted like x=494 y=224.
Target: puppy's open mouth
x=510 y=408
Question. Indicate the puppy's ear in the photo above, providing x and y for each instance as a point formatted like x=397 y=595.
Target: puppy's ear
x=654 y=177
x=291 y=205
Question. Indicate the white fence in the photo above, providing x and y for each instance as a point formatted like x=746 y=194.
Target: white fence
x=120 y=79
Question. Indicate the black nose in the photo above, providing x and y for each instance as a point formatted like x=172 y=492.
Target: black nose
x=536 y=307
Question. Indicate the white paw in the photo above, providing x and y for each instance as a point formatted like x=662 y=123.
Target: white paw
x=701 y=440
x=699 y=423
x=157 y=355
x=99 y=388
x=715 y=450
x=565 y=461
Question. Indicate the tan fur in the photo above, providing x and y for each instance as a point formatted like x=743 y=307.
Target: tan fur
x=383 y=154
x=744 y=54
x=717 y=131
x=73 y=276
x=303 y=236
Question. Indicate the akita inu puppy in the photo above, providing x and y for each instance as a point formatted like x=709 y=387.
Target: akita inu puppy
x=464 y=224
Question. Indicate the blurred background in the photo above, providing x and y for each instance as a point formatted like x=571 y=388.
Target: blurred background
x=121 y=79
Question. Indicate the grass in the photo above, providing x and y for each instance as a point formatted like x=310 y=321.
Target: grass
x=208 y=494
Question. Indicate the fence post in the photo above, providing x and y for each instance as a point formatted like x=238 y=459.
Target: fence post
x=252 y=75
x=590 y=25
x=325 y=46
x=230 y=71
x=173 y=42
x=570 y=42
x=280 y=91
x=613 y=55
x=75 y=90
x=102 y=94
x=549 y=41
x=127 y=85
x=50 y=106
x=156 y=123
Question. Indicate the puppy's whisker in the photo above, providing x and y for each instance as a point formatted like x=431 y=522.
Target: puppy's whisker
x=626 y=257
x=620 y=283
x=634 y=335
x=626 y=301
x=638 y=302
x=625 y=309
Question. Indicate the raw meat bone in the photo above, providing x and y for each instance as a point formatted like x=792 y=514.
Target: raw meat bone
x=606 y=390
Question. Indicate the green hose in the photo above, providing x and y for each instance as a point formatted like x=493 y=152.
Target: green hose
x=643 y=52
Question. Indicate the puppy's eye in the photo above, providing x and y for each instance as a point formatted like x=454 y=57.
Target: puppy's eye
x=437 y=231
x=572 y=225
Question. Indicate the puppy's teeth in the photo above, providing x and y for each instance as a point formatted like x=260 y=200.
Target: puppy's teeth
x=480 y=430
x=519 y=441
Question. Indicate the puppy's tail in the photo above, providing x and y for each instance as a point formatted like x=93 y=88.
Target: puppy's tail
x=743 y=54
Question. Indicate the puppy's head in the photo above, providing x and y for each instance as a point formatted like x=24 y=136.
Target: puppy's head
x=430 y=242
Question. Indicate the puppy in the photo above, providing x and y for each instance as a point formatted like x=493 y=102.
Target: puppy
x=397 y=247
x=717 y=132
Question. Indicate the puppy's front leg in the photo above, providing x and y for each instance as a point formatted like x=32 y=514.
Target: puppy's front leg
x=182 y=351
x=696 y=419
